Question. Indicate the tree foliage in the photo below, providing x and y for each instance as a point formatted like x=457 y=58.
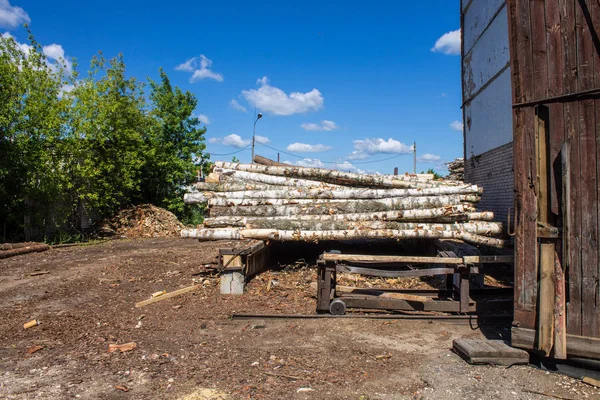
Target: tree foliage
x=96 y=142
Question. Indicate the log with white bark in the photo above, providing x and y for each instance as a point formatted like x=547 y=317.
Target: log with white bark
x=287 y=235
x=337 y=194
x=330 y=176
x=480 y=228
x=455 y=213
x=233 y=186
x=320 y=207
x=223 y=175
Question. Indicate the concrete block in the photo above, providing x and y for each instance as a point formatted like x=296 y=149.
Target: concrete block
x=232 y=283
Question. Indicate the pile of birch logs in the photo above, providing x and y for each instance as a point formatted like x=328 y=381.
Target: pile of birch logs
x=281 y=202
x=456 y=169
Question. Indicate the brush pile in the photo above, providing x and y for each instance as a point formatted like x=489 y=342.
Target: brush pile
x=274 y=202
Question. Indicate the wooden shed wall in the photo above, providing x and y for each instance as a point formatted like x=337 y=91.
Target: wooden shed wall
x=555 y=62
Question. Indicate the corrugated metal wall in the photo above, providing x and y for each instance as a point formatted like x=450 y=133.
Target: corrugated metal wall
x=487 y=99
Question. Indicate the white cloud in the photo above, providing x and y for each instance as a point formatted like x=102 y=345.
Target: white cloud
x=310 y=162
x=236 y=141
x=448 y=44
x=12 y=16
x=308 y=148
x=203 y=119
x=237 y=106
x=429 y=158
x=456 y=126
x=262 y=139
x=316 y=163
x=199 y=68
x=55 y=52
x=274 y=100
x=325 y=125
x=368 y=147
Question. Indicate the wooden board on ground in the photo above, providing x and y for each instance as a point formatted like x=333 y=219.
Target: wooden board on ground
x=167 y=296
x=496 y=352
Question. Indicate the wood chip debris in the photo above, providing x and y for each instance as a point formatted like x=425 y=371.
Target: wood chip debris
x=34 y=349
x=122 y=388
x=31 y=324
x=122 y=347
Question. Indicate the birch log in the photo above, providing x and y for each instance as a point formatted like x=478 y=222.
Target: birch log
x=234 y=186
x=224 y=174
x=341 y=194
x=280 y=235
x=320 y=207
x=452 y=212
x=479 y=228
x=326 y=175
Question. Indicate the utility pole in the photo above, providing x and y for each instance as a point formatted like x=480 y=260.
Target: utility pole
x=415 y=157
x=259 y=116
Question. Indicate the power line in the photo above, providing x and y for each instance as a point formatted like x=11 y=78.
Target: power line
x=229 y=154
x=336 y=162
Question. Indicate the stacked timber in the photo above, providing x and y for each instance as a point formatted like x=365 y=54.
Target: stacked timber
x=456 y=169
x=276 y=202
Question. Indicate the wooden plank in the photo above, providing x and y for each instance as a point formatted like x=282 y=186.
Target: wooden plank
x=569 y=77
x=463 y=292
x=496 y=352
x=373 y=302
x=324 y=287
x=560 y=315
x=555 y=88
x=394 y=274
x=524 y=165
x=595 y=11
x=538 y=47
x=545 y=330
x=383 y=293
x=489 y=259
x=588 y=176
x=167 y=296
x=391 y=259
x=577 y=346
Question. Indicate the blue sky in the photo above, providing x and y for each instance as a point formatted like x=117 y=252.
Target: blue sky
x=348 y=84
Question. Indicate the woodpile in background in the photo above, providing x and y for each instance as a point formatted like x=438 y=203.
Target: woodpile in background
x=456 y=169
x=16 y=249
x=141 y=221
x=275 y=202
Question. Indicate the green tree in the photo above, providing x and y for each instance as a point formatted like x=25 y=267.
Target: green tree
x=175 y=145
x=32 y=115
x=106 y=137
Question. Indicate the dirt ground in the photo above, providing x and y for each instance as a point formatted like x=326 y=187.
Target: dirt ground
x=188 y=348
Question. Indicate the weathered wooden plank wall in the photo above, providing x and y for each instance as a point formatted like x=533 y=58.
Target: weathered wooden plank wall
x=555 y=51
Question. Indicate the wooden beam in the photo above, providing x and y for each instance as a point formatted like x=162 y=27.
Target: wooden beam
x=577 y=346
x=395 y=274
x=545 y=329
x=489 y=259
x=167 y=296
x=381 y=293
x=391 y=259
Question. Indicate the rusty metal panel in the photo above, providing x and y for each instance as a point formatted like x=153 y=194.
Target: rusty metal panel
x=488 y=117
x=488 y=57
x=477 y=17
